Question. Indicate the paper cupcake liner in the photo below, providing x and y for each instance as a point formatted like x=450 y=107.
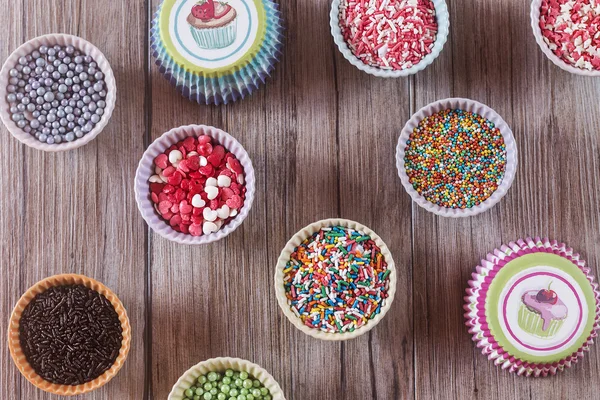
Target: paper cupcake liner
x=474 y=107
x=531 y=322
x=284 y=257
x=222 y=88
x=539 y=38
x=475 y=302
x=220 y=365
x=146 y=169
x=63 y=40
x=215 y=38
x=443 y=20
x=19 y=358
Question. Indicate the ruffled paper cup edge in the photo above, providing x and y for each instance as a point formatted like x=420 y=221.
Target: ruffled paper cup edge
x=60 y=39
x=19 y=358
x=477 y=324
x=482 y=110
x=284 y=257
x=221 y=364
x=443 y=20
x=539 y=38
x=145 y=169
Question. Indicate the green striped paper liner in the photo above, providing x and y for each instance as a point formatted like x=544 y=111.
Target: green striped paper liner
x=531 y=322
x=215 y=38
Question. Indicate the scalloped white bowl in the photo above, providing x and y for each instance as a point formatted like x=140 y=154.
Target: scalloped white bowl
x=63 y=40
x=146 y=169
x=443 y=20
x=284 y=257
x=467 y=105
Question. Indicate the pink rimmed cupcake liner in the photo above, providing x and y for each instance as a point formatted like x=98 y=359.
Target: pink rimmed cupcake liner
x=146 y=169
x=539 y=38
x=285 y=255
x=474 y=107
x=221 y=364
x=62 y=40
x=443 y=20
x=475 y=301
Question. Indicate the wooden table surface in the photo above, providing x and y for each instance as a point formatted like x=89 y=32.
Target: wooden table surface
x=322 y=137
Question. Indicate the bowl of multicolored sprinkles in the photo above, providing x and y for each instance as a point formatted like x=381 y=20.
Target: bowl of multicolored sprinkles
x=456 y=157
x=335 y=279
x=568 y=33
x=390 y=38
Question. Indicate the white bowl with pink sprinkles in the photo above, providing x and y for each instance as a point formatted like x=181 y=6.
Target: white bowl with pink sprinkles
x=585 y=47
x=390 y=38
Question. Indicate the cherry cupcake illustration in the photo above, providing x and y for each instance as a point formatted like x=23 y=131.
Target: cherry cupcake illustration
x=542 y=313
x=213 y=24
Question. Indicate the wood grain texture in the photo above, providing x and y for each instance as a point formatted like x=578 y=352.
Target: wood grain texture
x=322 y=138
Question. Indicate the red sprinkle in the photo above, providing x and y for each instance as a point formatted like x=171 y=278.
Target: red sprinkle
x=186 y=182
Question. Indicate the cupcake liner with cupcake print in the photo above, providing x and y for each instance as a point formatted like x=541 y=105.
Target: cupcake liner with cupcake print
x=217 y=60
x=533 y=307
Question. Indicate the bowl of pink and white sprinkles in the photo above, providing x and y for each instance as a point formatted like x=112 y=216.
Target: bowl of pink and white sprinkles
x=194 y=184
x=568 y=32
x=390 y=38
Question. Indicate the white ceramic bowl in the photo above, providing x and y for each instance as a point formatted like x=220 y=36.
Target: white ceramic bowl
x=474 y=107
x=443 y=20
x=220 y=365
x=146 y=169
x=284 y=257
x=539 y=38
x=63 y=40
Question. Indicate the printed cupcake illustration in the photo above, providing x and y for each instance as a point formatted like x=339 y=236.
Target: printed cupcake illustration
x=213 y=24
x=542 y=313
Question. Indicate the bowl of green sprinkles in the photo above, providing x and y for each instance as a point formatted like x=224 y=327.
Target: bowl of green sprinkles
x=335 y=279
x=226 y=378
x=456 y=157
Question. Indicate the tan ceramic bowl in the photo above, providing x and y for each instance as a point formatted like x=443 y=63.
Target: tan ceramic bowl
x=221 y=364
x=19 y=358
x=287 y=251
x=63 y=40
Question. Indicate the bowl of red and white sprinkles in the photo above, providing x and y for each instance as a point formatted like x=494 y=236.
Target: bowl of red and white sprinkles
x=335 y=279
x=194 y=184
x=568 y=32
x=390 y=38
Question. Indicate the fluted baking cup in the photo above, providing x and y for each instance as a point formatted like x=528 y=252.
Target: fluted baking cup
x=217 y=75
x=474 y=107
x=513 y=276
x=443 y=20
x=146 y=169
x=19 y=358
x=539 y=38
x=221 y=364
x=62 y=40
x=284 y=257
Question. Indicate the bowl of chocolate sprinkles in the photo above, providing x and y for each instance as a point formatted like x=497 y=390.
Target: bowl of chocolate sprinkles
x=69 y=334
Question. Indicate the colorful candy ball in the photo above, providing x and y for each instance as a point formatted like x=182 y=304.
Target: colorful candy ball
x=336 y=280
x=455 y=159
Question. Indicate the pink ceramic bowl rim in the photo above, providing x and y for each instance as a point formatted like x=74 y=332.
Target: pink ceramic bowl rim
x=146 y=169
x=60 y=39
x=539 y=38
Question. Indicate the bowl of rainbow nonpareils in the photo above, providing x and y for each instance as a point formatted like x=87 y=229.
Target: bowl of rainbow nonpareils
x=335 y=279
x=216 y=52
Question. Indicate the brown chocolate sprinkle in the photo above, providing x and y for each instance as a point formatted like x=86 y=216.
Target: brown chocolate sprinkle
x=70 y=334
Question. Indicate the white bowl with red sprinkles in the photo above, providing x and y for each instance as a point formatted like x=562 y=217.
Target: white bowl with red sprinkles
x=568 y=32
x=194 y=184
x=390 y=38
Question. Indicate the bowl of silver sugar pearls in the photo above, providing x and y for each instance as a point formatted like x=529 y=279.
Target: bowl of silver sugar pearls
x=57 y=92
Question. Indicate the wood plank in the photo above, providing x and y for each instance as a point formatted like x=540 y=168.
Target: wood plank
x=552 y=195
x=75 y=212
